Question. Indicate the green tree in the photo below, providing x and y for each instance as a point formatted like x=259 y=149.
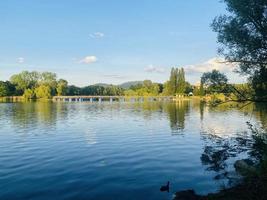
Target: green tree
x=201 y=89
x=196 y=91
x=173 y=81
x=62 y=87
x=147 y=83
x=188 y=88
x=176 y=83
x=147 y=88
x=155 y=89
x=73 y=90
x=130 y=92
x=25 y=80
x=166 y=88
x=181 y=84
x=49 y=79
x=7 y=89
x=43 y=92
x=214 y=81
x=29 y=94
x=243 y=35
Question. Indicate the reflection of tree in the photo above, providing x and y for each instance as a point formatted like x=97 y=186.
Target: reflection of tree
x=23 y=115
x=201 y=109
x=255 y=110
x=261 y=109
x=146 y=108
x=32 y=114
x=219 y=152
x=150 y=108
x=198 y=106
x=177 y=112
x=46 y=112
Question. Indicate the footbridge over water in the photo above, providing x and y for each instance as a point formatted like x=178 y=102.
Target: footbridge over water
x=113 y=98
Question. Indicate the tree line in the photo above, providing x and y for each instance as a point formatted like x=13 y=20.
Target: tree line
x=45 y=85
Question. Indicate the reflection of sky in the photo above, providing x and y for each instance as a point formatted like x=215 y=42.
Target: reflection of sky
x=119 y=146
x=90 y=136
x=226 y=123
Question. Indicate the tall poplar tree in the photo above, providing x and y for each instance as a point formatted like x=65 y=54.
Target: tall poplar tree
x=181 y=81
x=173 y=81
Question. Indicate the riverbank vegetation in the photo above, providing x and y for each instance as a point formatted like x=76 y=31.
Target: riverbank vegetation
x=45 y=85
x=36 y=85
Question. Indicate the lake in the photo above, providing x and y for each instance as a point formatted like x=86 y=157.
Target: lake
x=120 y=150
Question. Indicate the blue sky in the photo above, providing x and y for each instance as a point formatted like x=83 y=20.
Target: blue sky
x=111 y=41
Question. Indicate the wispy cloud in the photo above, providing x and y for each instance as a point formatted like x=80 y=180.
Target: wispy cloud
x=154 y=69
x=213 y=63
x=114 y=76
x=97 y=35
x=20 y=60
x=88 y=60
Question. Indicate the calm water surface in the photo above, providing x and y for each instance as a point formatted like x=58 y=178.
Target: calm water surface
x=118 y=150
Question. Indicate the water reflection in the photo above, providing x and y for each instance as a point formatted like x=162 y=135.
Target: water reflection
x=177 y=113
x=33 y=115
x=222 y=150
x=25 y=114
x=122 y=146
x=47 y=113
x=218 y=152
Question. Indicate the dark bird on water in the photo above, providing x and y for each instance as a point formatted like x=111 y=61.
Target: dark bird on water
x=165 y=188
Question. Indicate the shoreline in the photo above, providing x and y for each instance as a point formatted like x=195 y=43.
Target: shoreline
x=254 y=189
x=91 y=98
x=253 y=185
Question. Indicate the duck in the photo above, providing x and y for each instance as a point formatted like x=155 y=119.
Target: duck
x=165 y=188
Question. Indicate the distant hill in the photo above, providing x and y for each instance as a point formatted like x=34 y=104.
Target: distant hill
x=102 y=84
x=127 y=85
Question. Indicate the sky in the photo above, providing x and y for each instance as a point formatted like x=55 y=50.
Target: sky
x=110 y=41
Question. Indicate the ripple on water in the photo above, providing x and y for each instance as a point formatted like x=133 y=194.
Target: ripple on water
x=103 y=151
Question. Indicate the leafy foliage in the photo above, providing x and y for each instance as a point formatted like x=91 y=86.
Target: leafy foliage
x=214 y=81
x=243 y=38
x=45 y=85
x=6 y=88
x=25 y=80
x=43 y=92
x=29 y=94
x=110 y=90
x=147 y=88
x=62 y=87
x=176 y=83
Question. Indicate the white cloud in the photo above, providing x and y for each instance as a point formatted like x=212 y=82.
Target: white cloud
x=88 y=60
x=97 y=35
x=151 y=68
x=20 y=60
x=209 y=65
